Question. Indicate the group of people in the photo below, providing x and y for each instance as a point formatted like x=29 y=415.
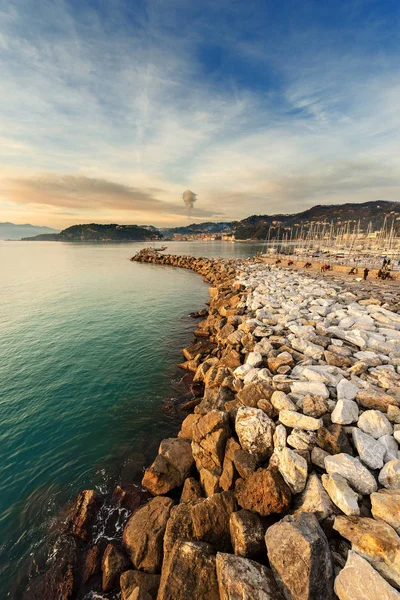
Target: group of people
x=385 y=271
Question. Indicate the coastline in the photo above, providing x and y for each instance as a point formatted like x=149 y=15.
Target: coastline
x=254 y=360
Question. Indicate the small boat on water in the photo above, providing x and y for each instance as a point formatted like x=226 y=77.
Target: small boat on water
x=161 y=249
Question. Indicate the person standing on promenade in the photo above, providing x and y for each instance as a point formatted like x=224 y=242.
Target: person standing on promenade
x=366 y=271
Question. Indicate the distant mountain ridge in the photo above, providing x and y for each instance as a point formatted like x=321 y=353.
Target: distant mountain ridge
x=255 y=227
x=13 y=231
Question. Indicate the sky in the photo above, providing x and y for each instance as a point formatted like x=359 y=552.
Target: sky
x=111 y=109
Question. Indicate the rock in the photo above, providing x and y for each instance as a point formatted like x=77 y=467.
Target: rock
x=293 y=469
x=187 y=426
x=334 y=359
x=341 y=493
x=170 y=468
x=139 y=594
x=211 y=518
x=91 y=563
x=390 y=446
x=346 y=390
x=345 y=412
x=333 y=440
x=376 y=541
x=191 y=490
x=280 y=437
x=179 y=526
x=243 y=578
x=300 y=557
x=264 y=492
x=245 y=463
x=283 y=359
x=82 y=513
x=374 y=423
x=114 y=563
x=315 y=388
x=280 y=401
x=190 y=573
x=375 y=399
x=253 y=392
x=353 y=471
x=385 y=506
x=208 y=446
x=359 y=581
x=291 y=418
x=130 y=496
x=315 y=406
x=314 y=499
x=255 y=432
x=318 y=457
x=144 y=532
x=370 y=450
x=393 y=414
x=254 y=359
x=389 y=476
x=247 y=533
x=130 y=580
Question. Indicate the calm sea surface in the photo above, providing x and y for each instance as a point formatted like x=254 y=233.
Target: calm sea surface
x=88 y=349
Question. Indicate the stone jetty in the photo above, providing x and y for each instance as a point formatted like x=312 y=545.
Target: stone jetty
x=284 y=482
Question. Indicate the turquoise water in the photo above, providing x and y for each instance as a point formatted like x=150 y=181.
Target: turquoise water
x=89 y=343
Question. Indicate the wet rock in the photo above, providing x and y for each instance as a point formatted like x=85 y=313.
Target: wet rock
x=129 y=496
x=83 y=513
x=210 y=518
x=247 y=533
x=341 y=493
x=191 y=490
x=114 y=563
x=353 y=471
x=264 y=492
x=130 y=580
x=389 y=476
x=190 y=574
x=370 y=450
x=376 y=541
x=374 y=423
x=171 y=466
x=300 y=557
x=91 y=564
x=144 y=532
x=255 y=432
x=360 y=581
x=345 y=412
x=243 y=578
x=293 y=469
x=385 y=506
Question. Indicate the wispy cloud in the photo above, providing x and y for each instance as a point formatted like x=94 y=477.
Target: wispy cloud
x=252 y=110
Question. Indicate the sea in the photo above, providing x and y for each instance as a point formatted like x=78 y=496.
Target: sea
x=89 y=346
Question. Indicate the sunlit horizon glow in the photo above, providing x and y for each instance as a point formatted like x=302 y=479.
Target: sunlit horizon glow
x=110 y=111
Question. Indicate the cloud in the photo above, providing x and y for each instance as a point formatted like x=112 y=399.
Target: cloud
x=91 y=194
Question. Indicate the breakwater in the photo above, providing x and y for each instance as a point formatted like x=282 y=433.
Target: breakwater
x=285 y=480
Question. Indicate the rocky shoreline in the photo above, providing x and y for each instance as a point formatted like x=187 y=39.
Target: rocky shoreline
x=284 y=481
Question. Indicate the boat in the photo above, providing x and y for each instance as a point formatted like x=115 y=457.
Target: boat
x=161 y=249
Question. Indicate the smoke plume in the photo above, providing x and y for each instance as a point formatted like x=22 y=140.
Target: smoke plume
x=189 y=198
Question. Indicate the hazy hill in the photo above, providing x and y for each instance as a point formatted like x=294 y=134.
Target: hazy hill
x=93 y=232
x=12 y=231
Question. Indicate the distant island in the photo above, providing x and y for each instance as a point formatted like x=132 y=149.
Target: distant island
x=94 y=232
x=371 y=216
x=13 y=231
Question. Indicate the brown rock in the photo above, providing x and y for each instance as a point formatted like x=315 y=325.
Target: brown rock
x=211 y=517
x=244 y=462
x=336 y=360
x=333 y=440
x=300 y=557
x=190 y=573
x=359 y=581
x=209 y=482
x=264 y=492
x=375 y=399
x=385 y=506
x=374 y=540
x=202 y=347
x=91 y=564
x=315 y=406
x=139 y=594
x=179 y=526
x=130 y=580
x=130 y=496
x=171 y=466
x=113 y=564
x=282 y=360
x=232 y=360
x=253 y=392
x=191 y=490
x=83 y=513
x=144 y=532
x=187 y=426
x=242 y=578
x=247 y=533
